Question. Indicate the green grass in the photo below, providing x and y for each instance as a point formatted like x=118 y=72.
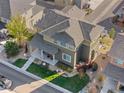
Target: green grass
x=19 y=62
x=73 y=84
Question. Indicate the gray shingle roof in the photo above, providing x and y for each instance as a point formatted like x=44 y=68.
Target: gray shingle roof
x=64 y=38
x=70 y=27
x=38 y=42
x=50 y=18
x=117 y=50
x=86 y=28
x=5 y=9
x=114 y=72
x=54 y=22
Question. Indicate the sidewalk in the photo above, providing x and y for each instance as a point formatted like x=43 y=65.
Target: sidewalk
x=28 y=63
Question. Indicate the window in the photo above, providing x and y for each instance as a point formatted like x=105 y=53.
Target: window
x=66 y=57
x=119 y=62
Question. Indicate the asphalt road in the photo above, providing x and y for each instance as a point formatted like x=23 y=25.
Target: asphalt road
x=101 y=8
x=20 y=79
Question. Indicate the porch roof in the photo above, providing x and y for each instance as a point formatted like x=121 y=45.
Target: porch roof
x=38 y=42
x=114 y=72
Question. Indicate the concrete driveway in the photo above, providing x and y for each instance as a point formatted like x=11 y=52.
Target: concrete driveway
x=25 y=84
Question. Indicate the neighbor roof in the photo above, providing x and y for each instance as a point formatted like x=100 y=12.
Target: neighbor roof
x=117 y=50
x=36 y=9
x=20 y=6
x=114 y=72
x=5 y=9
x=43 y=3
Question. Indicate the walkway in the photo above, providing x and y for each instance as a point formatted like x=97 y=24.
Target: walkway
x=28 y=63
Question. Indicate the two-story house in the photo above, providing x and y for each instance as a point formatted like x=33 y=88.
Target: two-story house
x=64 y=39
x=115 y=68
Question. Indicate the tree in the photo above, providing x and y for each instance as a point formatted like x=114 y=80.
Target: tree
x=17 y=28
x=11 y=48
x=112 y=33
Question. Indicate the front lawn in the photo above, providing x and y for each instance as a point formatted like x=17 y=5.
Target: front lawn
x=19 y=62
x=73 y=84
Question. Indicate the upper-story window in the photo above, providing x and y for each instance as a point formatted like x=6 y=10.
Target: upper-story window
x=62 y=44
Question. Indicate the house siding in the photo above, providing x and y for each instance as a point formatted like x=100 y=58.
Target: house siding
x=83 y=52
x=58 y=56
x=61 y=50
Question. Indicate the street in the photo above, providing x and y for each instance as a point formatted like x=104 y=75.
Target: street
x=103 y=11
x=22 y=82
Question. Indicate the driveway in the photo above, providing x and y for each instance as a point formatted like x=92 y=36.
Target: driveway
x=25 y=84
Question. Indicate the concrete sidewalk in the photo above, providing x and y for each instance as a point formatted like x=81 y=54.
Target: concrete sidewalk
x=28 y=63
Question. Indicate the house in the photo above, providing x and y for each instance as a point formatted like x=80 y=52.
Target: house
x=4 y=11
x=64 y=39
x=115 y=68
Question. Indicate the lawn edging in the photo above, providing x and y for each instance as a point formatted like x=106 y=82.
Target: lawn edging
x=34 y=76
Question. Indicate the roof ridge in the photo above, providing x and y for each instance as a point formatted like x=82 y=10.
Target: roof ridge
x=54 y=25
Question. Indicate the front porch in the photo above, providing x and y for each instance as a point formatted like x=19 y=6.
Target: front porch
x=44 y=56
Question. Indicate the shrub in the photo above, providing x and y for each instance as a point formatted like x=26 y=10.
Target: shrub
x=64 y=67
x=112 y=33
x=94 y=66
x=101 y=78
x=11 y=48
x=121 y=88
x=110 y=91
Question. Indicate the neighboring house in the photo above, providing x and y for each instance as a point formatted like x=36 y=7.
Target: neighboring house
x=4 y=11
x=64 y=39
x=115 y=68
x=118 y=9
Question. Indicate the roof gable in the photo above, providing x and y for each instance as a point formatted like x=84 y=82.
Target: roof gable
x=75 y=32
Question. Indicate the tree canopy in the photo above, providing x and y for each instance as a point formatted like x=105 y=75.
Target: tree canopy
x=17 y=28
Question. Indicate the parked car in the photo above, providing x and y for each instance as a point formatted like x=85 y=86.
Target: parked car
x=5 y=83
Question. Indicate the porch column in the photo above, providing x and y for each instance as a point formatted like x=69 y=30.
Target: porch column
x=118 y=85
x=75 y=60
x=41 y=53
x=30 y=49
x=54 y=58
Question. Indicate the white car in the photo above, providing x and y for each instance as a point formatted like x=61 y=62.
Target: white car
x=5 y=83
